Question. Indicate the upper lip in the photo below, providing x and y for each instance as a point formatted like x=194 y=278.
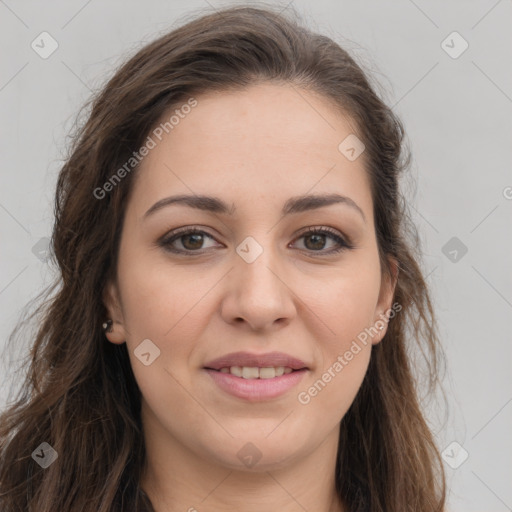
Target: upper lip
x=270 y=359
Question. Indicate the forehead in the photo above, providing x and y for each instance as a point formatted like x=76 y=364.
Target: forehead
x=266 y=141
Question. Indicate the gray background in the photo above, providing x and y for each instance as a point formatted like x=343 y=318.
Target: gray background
x=457 y=114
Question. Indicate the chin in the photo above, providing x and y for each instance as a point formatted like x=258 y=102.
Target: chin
x=258 y=455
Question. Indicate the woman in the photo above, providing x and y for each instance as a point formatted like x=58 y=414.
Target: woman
x=239 y=293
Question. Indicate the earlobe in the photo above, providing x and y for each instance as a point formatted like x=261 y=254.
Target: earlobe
x=116 y=334
x=113 y=326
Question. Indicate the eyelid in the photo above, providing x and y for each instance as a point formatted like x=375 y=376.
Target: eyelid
x=175 y=234
x=343 y=241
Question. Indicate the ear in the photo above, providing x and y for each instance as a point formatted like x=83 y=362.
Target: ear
x=385 y=301
x=112 y=302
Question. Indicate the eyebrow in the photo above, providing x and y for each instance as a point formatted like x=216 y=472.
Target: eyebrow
x=293 y=205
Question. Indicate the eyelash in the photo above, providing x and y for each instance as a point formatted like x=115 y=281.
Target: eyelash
x=343 y=243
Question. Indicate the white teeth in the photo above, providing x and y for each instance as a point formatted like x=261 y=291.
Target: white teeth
x=236 y=370
x=267 y=373
x=253 y=372
x=250 y=373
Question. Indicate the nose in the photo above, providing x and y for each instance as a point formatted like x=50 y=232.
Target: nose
x=258 y=295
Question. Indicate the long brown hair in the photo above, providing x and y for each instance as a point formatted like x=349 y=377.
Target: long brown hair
x=80 y=395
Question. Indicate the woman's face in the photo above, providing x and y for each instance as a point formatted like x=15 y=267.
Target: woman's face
x=250 y=279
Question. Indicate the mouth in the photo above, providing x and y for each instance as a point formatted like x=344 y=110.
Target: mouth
x=256 y=377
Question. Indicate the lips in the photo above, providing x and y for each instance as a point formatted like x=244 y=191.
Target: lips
x=247 y=359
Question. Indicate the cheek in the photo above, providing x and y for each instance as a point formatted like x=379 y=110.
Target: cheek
x=159 y=297
x=346 y=310
x=331 y=393
x=163 y=305
x=345 y=304
x=346 y=350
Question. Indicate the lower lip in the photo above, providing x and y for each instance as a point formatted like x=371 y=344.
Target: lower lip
x=256 y=390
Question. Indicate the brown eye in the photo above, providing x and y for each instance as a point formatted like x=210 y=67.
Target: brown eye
x=190 y=239
x=316 y=239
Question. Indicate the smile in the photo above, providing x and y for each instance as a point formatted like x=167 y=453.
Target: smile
x=254 y=372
